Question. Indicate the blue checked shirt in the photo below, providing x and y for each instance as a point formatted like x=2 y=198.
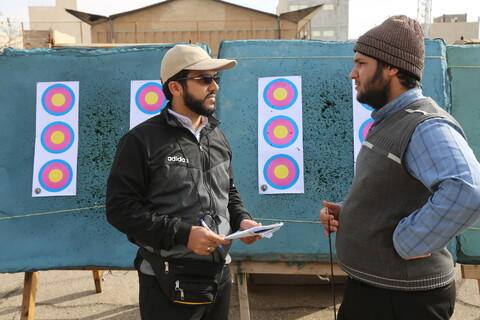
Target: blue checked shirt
x=438 y=155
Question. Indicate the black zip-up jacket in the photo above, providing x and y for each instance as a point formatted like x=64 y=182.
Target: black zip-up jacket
x=163 y=181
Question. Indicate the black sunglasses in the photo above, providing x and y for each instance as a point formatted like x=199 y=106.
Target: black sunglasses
x=205 y=78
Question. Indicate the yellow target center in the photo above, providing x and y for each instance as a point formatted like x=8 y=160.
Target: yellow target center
x=58 y=99
x=280 y=132
x=55 y=175
x=280 y=94
x=281 y=171
x=151 y=98
x=57 y=137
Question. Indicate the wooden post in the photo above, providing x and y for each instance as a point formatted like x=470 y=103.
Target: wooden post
x=471 y=272
x=241 y=268
x=29 y=294
x=97 y=278
x=243 y=296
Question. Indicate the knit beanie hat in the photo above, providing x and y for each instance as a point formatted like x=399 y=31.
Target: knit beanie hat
x=398 y=41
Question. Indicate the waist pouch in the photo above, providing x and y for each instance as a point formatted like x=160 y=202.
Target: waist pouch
x=187 y=283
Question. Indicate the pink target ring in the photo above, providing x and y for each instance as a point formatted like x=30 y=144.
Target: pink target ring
x=57 y=137
x=150 y=98
x=280 y=131
x=280 y=94
x=364 y=129
x=55 y=175
x=58 y=99
x=281 y=171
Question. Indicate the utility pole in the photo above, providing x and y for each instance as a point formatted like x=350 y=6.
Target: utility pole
x=424 y=15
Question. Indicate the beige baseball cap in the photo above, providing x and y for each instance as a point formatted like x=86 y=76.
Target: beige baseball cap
x=190 y=57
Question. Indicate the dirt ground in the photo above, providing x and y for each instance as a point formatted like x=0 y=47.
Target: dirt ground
x=66 y=295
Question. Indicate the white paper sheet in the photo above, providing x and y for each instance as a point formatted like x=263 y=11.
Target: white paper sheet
x=280 y=135
x=56 y=139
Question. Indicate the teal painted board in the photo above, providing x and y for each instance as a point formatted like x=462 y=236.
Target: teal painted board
x=67 y=231
x=327 y=134
x=71 y=231
x=464 y=66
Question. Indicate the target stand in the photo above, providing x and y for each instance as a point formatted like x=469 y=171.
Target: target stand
x=30 y=285
x=471 y=272
x=241 y=269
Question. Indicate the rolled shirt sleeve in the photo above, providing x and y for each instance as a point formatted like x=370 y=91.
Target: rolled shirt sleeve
x=438 y=155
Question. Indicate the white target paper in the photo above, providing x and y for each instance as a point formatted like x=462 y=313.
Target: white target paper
x=280 y=138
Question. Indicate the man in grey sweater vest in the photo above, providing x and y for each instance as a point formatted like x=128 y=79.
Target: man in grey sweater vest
x=416 y=186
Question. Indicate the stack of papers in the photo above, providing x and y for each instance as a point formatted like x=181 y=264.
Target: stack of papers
x=264 y=231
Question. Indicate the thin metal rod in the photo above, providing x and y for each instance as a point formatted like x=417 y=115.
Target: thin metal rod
x=331 y=270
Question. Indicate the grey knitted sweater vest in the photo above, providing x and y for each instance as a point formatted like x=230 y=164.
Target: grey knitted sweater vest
x=383 y=193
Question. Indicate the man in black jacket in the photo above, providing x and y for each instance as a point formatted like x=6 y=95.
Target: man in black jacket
x=172 y=173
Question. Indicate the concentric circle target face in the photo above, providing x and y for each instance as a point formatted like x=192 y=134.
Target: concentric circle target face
x=281 y=171
x=280 y=94
x=150 y=98
x=364 y=128
x=57 y=137
x=55 y=175
x=280 y=131
x=58 y=99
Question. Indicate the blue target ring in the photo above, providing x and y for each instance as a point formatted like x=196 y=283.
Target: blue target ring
x=364 y=129
x=281 y=171
x=58 y=99
x=280 y=94
x=150 y=98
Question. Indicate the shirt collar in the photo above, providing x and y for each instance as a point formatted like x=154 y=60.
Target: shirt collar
x=396 y=104
x=187 y=123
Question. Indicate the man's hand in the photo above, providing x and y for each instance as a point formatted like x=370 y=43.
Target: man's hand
x=330 y=212
x=203 y=242
x=247 y=224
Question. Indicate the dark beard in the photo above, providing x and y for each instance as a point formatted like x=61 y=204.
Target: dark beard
x=376 y=91
x=197 y=105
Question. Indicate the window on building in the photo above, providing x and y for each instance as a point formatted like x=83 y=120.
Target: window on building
x=295 y=7
x=316 y=33
x=328 y=33
x=328 y=6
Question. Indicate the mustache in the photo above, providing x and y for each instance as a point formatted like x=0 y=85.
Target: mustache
x=209 y=94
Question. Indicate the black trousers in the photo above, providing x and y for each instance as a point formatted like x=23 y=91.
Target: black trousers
x=362 y=301
x=155 y=306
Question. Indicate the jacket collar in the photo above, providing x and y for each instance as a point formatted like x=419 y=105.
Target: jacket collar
x=173 y=122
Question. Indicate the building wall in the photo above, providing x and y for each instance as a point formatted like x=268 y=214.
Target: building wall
x=452 y=31
x=56 y=18
x=198 y=21
x=330 y=23
x=202 y=21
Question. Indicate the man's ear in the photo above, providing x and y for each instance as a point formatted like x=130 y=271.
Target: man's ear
x=175 y=88
x=391 y=71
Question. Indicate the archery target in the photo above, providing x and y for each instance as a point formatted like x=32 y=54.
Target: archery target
x=280 y=131
x=280 y=94
x=55 y=175
x=56 y=143
x=280 y=140
x=364 y=128
x=362 y=122
x=150 y=98
x=57 y=137
x=281 y=171
x=58 y=99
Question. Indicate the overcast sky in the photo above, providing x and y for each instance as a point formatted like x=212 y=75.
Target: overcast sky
x=362 y=14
